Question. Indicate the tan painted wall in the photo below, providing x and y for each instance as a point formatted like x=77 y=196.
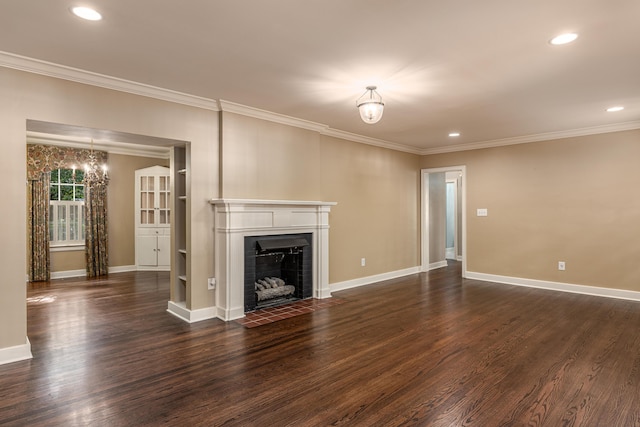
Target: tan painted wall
x=377 y=190
x=573 y=200
x=265 y=160
x=120 y=205
x=30 y=96
x=378 y=213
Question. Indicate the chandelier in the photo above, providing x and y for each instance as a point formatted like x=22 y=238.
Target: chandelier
x=370 y=105
x=94 y=173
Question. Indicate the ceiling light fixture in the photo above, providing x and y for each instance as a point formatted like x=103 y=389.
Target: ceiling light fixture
x=563 y=38
x=370 y=105
x=86 y=13
x=614 y=109
x=454 y=134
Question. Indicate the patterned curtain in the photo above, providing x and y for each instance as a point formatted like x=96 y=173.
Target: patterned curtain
x=41 y=160
x=96 y=238
x=38 y=225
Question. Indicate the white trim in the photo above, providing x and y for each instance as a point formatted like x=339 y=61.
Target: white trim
x=371 y=141
x=525 y=139
x=67 y=248
x=111 y=147
x=68 y=274
x=122 y=269
x=369 y=280
x=16 y=353
x=557 y=286
x=50 y=69
x=83 y=273
x=424 y=208
x=36 y=66
x=180 y=310
x=232 y=107
x=262 y=202
x=438 y=264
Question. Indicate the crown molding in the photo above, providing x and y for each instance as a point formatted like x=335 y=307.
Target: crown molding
x=232 y=107
x=370 y=141
x=548 y=136
x=110 y=147
x=36 y=66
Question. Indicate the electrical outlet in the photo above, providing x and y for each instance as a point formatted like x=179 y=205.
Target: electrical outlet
x=561 y=265
x=363 y=262
x=211 y=283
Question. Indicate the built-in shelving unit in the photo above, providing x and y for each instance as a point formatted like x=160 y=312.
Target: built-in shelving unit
x=180 y=242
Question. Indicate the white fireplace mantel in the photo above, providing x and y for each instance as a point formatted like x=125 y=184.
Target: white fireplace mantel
x=235 y=219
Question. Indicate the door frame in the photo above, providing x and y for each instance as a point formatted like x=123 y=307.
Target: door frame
x=424 y=208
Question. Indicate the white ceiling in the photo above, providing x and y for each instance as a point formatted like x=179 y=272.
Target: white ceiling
x=483 y=68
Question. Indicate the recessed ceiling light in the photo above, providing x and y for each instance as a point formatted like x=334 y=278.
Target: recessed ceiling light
x=614 y=109
x=454 y=134
x=563 y=38
x=86 y=13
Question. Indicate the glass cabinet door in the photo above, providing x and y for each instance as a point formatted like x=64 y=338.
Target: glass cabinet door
x=147 y=200
x=163 y=199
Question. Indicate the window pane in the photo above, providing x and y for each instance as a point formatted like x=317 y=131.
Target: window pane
x=55 y=175
x=54 y=193
x=66 y=192
x=80 y=192
x=66 y=176
x=79 y=176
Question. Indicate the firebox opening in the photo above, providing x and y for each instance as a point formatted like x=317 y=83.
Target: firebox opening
x=277 y=270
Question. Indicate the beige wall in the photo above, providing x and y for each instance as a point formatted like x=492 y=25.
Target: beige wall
x=31 y=96
x=120 y=205
x=572 y=200
x=378 y=213
x=377 y=190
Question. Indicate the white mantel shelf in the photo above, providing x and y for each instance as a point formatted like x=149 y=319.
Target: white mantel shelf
x=258 y=202
x=235 y=219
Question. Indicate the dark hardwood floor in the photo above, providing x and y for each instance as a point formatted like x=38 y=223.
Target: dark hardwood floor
x=429 y=350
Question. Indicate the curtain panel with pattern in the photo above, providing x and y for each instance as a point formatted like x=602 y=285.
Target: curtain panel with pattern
x=41 y=160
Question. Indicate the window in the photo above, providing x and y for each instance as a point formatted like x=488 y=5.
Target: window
x=66 y=208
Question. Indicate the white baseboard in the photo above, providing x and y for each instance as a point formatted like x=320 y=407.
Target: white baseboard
x=363 y=281
x=439 y=264
x=180 y=310
x=83 y=273
x=122 y=269
x=231 y=314
x=16 y=353
x=557 y=286
x=68 y=274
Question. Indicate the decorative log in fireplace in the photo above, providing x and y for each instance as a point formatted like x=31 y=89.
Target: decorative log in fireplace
x=278 y=270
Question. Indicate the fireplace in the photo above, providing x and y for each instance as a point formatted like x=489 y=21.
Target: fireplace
x=277 y=270
x=259 y=227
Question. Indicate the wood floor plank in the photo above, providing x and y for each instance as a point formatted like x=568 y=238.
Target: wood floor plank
x=428 y=349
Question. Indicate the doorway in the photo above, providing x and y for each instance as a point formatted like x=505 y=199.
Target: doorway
x=434 y=233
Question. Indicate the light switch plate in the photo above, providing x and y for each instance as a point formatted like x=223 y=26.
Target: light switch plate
x=482 y=212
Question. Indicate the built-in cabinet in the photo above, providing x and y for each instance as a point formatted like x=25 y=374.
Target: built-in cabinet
x=180 y=280
x=153 y=218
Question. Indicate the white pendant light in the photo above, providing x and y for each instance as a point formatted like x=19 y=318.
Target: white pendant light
x=370 y=105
